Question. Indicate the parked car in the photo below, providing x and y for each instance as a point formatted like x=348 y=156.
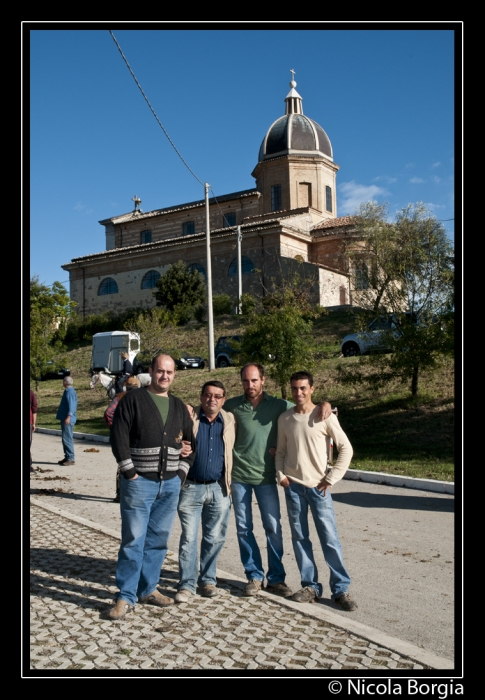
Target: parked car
x=371 y=340
x=224 y=351
x=183 y=360
x=53 y=373
x=374 y=338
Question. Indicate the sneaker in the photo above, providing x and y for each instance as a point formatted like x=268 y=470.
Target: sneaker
x=305 y=595
x=253 y=587
x=183 y=596
x=68 y=463
x=156 y=598
x=279 y=589
x=208 y=590
x=346 y=602
x=119 y=610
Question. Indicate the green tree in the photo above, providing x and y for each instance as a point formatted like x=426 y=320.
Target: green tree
x=180 y=288
x=410 y=266
x=49 y=311
x=279 y=330
x=151 y=326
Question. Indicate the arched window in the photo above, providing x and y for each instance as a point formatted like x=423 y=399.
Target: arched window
x=300 y=258
x=108 y=286
x=199 y=268
x=247 y=267
x=150 y=279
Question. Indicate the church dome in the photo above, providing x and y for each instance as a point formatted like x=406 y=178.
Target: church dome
x=294 y=133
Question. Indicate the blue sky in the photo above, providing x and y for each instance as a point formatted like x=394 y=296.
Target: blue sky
x=385 y=97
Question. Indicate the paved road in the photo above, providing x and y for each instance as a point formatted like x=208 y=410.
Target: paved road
x=397 y=543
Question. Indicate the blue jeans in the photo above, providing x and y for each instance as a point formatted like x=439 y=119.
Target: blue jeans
x=269 y=507
x=147 y=513
x=68 y=440
x=298 y=498
x=212 y=504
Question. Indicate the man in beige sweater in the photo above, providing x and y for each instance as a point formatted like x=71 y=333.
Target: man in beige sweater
x=301 y=469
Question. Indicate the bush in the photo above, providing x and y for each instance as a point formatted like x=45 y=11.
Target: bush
x=221 y=304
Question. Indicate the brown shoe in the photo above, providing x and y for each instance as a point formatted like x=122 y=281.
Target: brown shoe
x=208 y=590
x=279 y=589
x=253 y=587
x=68 y=463
x=119 y=610
x=346 y=602
x=305 y=595
x=156 y=598
x=61 y=462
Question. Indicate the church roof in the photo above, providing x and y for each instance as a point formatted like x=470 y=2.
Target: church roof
x=294 y=133
x=335 y=223
x=140 y=215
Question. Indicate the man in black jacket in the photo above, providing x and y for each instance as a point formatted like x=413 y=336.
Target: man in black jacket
x=127 y=371
x=146 y=438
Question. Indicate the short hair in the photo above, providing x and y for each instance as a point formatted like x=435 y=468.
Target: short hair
x=68 y=380
x=260 y=368
x=302 y=375
x=215 y=383
x=159 y=354
x=132 y=383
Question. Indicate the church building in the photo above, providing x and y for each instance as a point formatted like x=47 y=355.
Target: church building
x=288 y=221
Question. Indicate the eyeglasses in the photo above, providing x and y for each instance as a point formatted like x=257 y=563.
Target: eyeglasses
x=218 y=397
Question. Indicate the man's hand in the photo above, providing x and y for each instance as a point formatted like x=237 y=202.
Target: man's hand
x=285 y=482
x=191 y=414
x=186 y=448
x=324 y=486
x=325 y=409
x=67 y=420
x=133 y=477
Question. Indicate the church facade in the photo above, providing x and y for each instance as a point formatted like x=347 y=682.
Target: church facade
x=288 y=221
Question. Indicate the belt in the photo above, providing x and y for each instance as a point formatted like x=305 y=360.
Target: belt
x=197 y=481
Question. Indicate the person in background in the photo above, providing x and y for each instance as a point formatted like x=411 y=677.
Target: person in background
x=66 y=414
x=33 y=420
x=131 y=383
x=127 y=371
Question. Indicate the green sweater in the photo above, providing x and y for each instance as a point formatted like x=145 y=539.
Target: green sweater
x=256 y=430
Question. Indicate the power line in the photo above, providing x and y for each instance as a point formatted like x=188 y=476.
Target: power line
x=158 y=120
x=153 y=111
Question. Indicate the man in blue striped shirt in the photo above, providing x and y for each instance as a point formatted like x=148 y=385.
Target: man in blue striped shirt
x=205 y=495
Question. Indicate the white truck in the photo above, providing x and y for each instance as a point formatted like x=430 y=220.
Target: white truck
x=107 y=347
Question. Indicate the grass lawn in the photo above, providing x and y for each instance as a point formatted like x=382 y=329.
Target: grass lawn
x=389 y=431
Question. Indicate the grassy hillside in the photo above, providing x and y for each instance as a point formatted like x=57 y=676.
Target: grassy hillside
x=389 y=431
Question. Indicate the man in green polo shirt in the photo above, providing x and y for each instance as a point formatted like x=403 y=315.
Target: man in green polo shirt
x=253 y=469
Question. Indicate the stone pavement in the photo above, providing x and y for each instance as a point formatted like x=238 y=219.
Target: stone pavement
x=73 y=582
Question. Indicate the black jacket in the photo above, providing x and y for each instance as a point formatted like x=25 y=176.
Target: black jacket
x=143 y=445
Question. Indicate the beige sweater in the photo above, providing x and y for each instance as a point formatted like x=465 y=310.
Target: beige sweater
x=301 y=453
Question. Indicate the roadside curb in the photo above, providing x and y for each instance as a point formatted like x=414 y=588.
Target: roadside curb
x=409 y=482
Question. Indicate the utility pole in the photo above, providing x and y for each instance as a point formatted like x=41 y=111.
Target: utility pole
x=239 y=270
x=210 y=319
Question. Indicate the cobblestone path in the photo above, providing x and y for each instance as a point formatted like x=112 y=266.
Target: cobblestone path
x=73 y=583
